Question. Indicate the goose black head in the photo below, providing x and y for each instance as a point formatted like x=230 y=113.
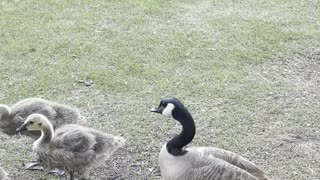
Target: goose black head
x=172 y=107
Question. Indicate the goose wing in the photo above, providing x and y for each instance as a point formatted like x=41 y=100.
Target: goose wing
x=231 y=158
x=212 y=168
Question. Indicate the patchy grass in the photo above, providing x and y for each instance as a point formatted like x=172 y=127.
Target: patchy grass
x=248 y=71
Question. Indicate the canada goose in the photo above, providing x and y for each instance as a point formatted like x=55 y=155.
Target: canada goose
x=72 y=147
x=3 y=174
x=13 y=117
x=205 y=163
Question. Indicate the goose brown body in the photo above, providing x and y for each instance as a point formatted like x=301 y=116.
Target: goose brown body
x=199 y=163
x=58 y=114
x=208 y=163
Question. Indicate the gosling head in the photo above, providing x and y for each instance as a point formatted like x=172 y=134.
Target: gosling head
x=4 y=111
x=172 y=107
x=34 y=122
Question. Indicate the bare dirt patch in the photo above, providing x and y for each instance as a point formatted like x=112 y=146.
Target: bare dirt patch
x=291 y=113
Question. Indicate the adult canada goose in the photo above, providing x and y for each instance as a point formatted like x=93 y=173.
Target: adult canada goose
x=205 y=163
x=13 y=117
x=72 y=147
x=3 y=174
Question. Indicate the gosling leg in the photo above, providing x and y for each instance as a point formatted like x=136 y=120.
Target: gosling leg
x=33 y=166
x=58 y=172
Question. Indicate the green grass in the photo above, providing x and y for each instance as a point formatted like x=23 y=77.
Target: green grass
x=226 y=60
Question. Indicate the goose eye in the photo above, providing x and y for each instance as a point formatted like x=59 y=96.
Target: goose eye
x=31 y=122
x=40 y=124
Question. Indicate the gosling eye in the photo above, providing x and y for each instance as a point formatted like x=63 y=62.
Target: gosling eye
x=31 y=122
x=39 y=124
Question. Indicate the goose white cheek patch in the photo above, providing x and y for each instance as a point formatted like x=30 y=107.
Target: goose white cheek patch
x=168 y=110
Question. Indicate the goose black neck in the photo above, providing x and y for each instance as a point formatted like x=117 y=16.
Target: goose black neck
x=175 y=145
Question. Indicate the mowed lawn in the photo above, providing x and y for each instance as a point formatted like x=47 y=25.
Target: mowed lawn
x=249 y=71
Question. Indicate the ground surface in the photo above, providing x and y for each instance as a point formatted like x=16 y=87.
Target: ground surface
x=249 y=72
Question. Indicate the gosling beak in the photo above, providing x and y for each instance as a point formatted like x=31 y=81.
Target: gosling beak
x=21 y=128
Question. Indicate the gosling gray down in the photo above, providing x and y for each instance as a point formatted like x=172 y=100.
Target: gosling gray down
x=13 y=117
x=74 y=148
x=198 y=163
x=3 y=174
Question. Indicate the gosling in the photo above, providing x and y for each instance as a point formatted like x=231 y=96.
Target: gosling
x=73 y=148
x=13 y=117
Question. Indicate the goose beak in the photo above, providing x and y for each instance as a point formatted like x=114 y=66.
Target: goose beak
x=155 y=110
x=21 y=128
